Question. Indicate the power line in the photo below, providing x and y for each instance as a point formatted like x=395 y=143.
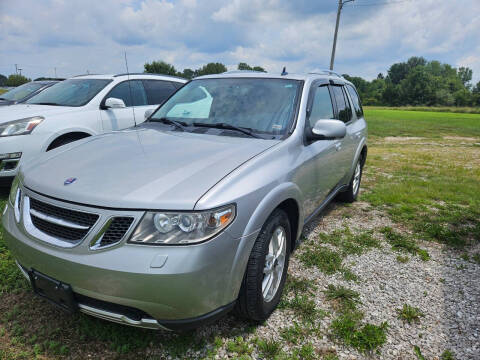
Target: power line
x=382 y=3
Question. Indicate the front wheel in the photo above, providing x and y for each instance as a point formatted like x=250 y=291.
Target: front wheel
x=354 y=186
x=266 y=271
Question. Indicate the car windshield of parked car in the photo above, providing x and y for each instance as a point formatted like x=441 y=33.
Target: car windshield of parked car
x=72 y=92
x=261 y=105
x=21 y=92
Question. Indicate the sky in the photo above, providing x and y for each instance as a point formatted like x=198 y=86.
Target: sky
x=73 y=37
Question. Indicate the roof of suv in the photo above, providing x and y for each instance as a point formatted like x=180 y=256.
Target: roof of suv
x=131 y=76
x=256 y=74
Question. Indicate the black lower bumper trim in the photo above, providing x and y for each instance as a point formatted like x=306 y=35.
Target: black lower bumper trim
x=192 y=323
x=6 y=181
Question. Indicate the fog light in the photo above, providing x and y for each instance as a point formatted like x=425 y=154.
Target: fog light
x=15 y=155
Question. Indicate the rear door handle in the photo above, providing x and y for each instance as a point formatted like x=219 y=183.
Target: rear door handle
x=338 y=146
x=358 y=135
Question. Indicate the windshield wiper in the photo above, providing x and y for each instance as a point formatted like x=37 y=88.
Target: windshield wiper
x=47 y=103
x=179 y=124
x=225 y=126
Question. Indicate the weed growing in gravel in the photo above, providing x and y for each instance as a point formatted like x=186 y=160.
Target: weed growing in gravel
x=269 y=349
x=345 y=299
x=447 y=355
x=350 y=243
x=305 y=352
x=299 y=285
x=476 y=258
x=327 y=261
x=400 y=242
x=239 y=346
x=465 y=257
x=418 y=353
x=364 y=338
x=304 y=307
x=402 y=259
x=409 y=313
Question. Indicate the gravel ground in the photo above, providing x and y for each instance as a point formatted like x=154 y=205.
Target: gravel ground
x=446 y=289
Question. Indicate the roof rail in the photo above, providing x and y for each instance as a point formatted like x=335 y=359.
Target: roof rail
x=242 y=71
x=84 y=75
x=153 y=74
x=327 y=72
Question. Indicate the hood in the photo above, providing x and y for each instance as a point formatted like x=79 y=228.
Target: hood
x=21 y=111
x=142 y=168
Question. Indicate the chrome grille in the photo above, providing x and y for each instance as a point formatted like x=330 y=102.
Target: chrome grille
x=59 y=224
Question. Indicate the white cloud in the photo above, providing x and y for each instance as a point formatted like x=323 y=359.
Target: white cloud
x=91 y=34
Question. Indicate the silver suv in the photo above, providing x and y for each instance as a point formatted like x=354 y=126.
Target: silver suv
x=195 y=212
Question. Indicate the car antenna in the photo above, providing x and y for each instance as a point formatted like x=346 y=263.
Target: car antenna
x=130 y=90
x=284 y=71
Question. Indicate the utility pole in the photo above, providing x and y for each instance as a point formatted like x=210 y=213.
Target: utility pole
x=340 y=6
x=20 y=71
x=55 y=69
x=16 y=69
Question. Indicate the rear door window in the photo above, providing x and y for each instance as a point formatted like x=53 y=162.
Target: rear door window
x=357 y=105
x=344 y=111
x=321 y=106
x=131 y=92
x=158 y=91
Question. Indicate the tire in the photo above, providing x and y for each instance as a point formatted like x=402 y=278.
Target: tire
x=351 y=194
x=251 y=303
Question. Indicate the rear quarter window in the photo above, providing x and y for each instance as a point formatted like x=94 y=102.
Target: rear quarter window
x=357 y=105
x=158 y=91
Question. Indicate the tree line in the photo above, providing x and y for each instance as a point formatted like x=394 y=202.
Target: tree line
x=415 y=82
x=161 y=67
x=418 y=82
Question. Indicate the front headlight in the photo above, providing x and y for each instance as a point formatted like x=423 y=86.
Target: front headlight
x=20 y=127
x=170 y=228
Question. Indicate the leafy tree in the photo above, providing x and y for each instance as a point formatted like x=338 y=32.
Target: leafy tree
x=3 y=80
x=160 y=67
x=380 y=76
x=16 y=80
x=397 y=72
x=465 y=75
x=245 y=66
x=211 y=68
x=187 y=74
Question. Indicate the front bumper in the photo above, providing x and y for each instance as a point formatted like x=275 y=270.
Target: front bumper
x=10 y=145
x=195 y=283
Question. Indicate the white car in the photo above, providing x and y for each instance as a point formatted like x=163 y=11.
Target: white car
x=74 y=109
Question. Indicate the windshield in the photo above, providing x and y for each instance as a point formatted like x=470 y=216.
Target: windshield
x=21 y=92
x=265 y=106
x=72 y=92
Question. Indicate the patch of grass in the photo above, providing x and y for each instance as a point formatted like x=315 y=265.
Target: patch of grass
x=269 y=349
x=304 y=307
x=401 y=242
x=447 y=355
x=402 y=259
x=299 y=285
x=239 y=346
x=418 y=353
x=345 y=299
x=476 y=258
x=305 y=352
x=350 y=243
x=363 y=337
x=409 y=313
x=328 y=261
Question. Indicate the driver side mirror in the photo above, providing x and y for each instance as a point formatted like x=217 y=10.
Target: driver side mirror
x=327 y=130
x=148 y=113
x=114 y=103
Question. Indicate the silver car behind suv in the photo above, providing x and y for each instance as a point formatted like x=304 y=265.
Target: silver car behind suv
x=195 y=212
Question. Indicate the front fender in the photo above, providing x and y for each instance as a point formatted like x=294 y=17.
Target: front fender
x=266 y=206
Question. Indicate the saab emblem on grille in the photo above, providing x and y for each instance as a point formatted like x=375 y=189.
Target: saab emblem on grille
x=69 y=181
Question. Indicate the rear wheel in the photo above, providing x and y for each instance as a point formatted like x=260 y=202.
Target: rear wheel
x=266 y=271
x=354 y=186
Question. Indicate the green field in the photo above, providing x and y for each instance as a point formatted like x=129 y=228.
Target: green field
x=423 y=170
x=2 y=91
